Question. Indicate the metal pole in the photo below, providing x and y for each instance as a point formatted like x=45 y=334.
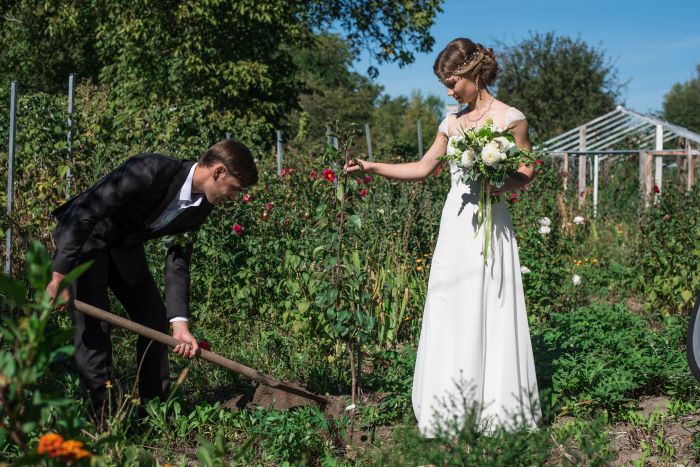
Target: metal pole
x=368 y=135
x=420 y=138
x=71 y=98
x=581 y=165
x=650 y=177
x=659 y=146
x=10 y=174
x=643 y=194
x=596 y=166
x=279 y=152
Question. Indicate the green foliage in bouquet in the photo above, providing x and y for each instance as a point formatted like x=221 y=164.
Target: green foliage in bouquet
x=488 y=155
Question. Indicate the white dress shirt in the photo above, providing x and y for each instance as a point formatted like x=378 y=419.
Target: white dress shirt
x=175 y=207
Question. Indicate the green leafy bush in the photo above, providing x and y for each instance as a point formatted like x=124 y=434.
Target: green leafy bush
x=608 y=357
x=668 y=252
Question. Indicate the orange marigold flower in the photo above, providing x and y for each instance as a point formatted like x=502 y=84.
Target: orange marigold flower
x=72 y=450
x=82 y=453
x=49 y=443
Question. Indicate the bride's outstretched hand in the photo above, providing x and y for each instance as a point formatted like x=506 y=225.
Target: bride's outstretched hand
x=355 y=165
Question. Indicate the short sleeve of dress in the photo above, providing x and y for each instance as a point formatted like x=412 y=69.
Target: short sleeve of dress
x=514 y=115
x=443 y=126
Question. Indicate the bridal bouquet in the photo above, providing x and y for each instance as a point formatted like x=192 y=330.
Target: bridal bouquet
x=488 y=155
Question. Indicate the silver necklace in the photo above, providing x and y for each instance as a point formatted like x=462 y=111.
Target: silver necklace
x=482 y=113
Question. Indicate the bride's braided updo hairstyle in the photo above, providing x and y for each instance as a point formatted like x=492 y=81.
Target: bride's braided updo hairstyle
x=466 y=59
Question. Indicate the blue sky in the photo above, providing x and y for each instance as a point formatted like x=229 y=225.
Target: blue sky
x=653 y=44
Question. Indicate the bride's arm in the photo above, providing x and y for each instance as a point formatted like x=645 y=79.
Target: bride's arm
x=525 y=173
x=408 y=171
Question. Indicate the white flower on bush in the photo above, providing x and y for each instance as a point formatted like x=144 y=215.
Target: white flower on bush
x=491 y=154
x=468 y=158
x=524 y=270
x=578 y=220
x=544 y=229
x=576 y=280
x=545 y=221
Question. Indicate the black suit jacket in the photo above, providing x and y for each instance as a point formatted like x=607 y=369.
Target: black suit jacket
x=115 y=215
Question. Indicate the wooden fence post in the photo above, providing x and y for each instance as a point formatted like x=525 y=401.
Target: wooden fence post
x=689 y=152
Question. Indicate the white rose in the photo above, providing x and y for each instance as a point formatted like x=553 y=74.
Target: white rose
x=544 y=230
x=576 y=279
x=491 y=154
x=468 y=158
x=545 y=221
x=524 y=270
x=578 y=220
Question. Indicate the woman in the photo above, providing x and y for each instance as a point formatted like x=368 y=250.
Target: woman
x=474 y=350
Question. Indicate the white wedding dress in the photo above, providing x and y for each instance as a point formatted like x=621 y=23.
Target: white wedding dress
x=474 y=348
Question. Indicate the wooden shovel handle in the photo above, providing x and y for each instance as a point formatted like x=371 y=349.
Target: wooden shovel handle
x=224 y=362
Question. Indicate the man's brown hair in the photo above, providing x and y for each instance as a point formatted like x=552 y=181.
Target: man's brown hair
x=237 y=159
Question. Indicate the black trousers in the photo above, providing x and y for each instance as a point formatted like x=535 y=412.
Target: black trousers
x=93 y=347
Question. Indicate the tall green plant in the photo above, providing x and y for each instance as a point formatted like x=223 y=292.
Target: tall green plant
x=30 y=345
x=346 y=301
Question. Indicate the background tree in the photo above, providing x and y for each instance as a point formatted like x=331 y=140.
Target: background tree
x=331 y=91
x=233 y=57
x=394 y=124
x=682 y=103
x=44 y=41
x=558 y=82
x=389 y=30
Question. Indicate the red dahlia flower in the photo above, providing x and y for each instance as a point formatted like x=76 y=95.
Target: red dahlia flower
x=329 y=175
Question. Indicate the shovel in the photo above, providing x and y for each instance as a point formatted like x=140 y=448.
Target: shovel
x=205 y=354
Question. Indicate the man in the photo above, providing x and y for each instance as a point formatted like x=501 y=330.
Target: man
x=148 y=196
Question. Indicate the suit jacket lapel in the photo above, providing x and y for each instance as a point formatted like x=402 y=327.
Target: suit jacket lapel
x=173 y=190
x=189 y=218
